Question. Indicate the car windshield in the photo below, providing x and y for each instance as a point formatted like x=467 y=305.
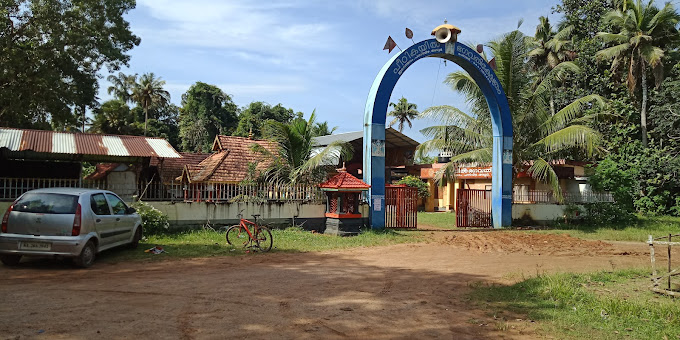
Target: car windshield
x=47 y=203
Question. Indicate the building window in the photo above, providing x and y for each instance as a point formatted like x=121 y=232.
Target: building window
x=521 y=193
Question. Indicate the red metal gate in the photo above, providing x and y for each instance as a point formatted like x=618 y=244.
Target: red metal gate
x=401 y=206
x=473 y=208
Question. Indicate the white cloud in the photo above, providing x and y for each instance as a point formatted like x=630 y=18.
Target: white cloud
x=240 y=24
x=416 y=10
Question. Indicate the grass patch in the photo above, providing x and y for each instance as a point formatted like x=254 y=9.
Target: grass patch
x=638 y=231
x=201 y=243
x=604 y=305
x=444 y=220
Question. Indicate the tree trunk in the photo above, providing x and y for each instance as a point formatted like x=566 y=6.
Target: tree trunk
x=643 y=111
x=146 y=118
x=82 y=108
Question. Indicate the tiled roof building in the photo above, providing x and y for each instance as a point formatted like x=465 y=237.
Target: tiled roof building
x=171 y=169
x=229 y=161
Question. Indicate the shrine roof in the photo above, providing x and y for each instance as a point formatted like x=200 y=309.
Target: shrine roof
x=344 y=180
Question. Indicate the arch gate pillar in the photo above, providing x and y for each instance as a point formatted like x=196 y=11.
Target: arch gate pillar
x=376 y=113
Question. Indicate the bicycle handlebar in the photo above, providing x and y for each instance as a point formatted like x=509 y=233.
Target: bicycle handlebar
x=240 y=215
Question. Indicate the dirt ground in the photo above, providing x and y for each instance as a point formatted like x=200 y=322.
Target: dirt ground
x=409 y=291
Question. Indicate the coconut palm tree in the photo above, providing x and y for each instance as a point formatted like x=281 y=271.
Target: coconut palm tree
x=403 y=112
x=540 y=137
x=322 y=129
x=121 y=86
x=640 y=34
x=551 y=47
x=149 y=92
x=112 y=117
x=298 y=159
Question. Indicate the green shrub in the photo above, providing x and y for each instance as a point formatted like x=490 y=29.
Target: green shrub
x=573 y=213
x=415 y=182
x=153 y=220
x=605 y=213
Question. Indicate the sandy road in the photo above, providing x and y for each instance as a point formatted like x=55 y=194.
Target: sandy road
x=404 y=291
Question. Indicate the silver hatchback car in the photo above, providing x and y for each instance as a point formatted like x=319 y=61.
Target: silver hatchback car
x=67 y=222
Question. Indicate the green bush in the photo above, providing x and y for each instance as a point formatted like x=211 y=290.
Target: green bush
x=646 y=181
x=572 y=213
x=153 y=220
x=606 y=213
x=415 y=182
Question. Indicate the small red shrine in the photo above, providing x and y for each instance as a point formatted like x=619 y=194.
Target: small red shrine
x=343 y=194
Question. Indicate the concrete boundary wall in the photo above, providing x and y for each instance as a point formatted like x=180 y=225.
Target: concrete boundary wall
x=540 y=213
x=196 y=214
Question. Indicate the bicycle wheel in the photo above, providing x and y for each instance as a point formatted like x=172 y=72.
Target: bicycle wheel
x=237 y=236
x=263 y=239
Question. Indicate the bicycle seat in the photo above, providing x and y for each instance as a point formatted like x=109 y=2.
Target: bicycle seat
x=256 y=216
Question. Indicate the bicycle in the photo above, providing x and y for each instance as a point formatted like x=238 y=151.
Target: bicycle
x=240 y=234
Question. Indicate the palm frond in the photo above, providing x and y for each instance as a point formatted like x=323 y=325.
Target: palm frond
x=480 y=155
x=448 y=115
x=567 y=114
x=329 y=155
x=463 y=83
x=544 y=172
x=613 y=52
x=652 y=55
x=611 y=37
x=574 y=136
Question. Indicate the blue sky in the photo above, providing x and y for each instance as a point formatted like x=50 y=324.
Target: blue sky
x=308 y=55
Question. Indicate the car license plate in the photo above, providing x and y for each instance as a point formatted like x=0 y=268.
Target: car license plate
x=42 y=246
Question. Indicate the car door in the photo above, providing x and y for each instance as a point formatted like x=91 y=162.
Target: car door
x=122 y=220
x=103 y=220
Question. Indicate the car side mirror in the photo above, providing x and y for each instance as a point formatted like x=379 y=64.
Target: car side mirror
x=131 y=210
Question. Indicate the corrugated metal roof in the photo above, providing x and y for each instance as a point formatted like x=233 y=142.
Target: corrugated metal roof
x=63 y=143
x=11 y=139
x=345 y=137
x=85 y=144
x=115 y=146
x=392 y=137
x=160 y=147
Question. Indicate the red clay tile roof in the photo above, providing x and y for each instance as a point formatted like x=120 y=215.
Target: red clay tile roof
x=171 y=168
x=101 y=171
x=344 y=180
x=229 y=163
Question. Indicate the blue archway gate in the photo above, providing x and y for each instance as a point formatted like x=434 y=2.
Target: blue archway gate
x=376 y=112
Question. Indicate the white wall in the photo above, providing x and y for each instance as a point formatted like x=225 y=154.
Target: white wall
x=182 y=213
x=123 y=183
x=538 y=212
